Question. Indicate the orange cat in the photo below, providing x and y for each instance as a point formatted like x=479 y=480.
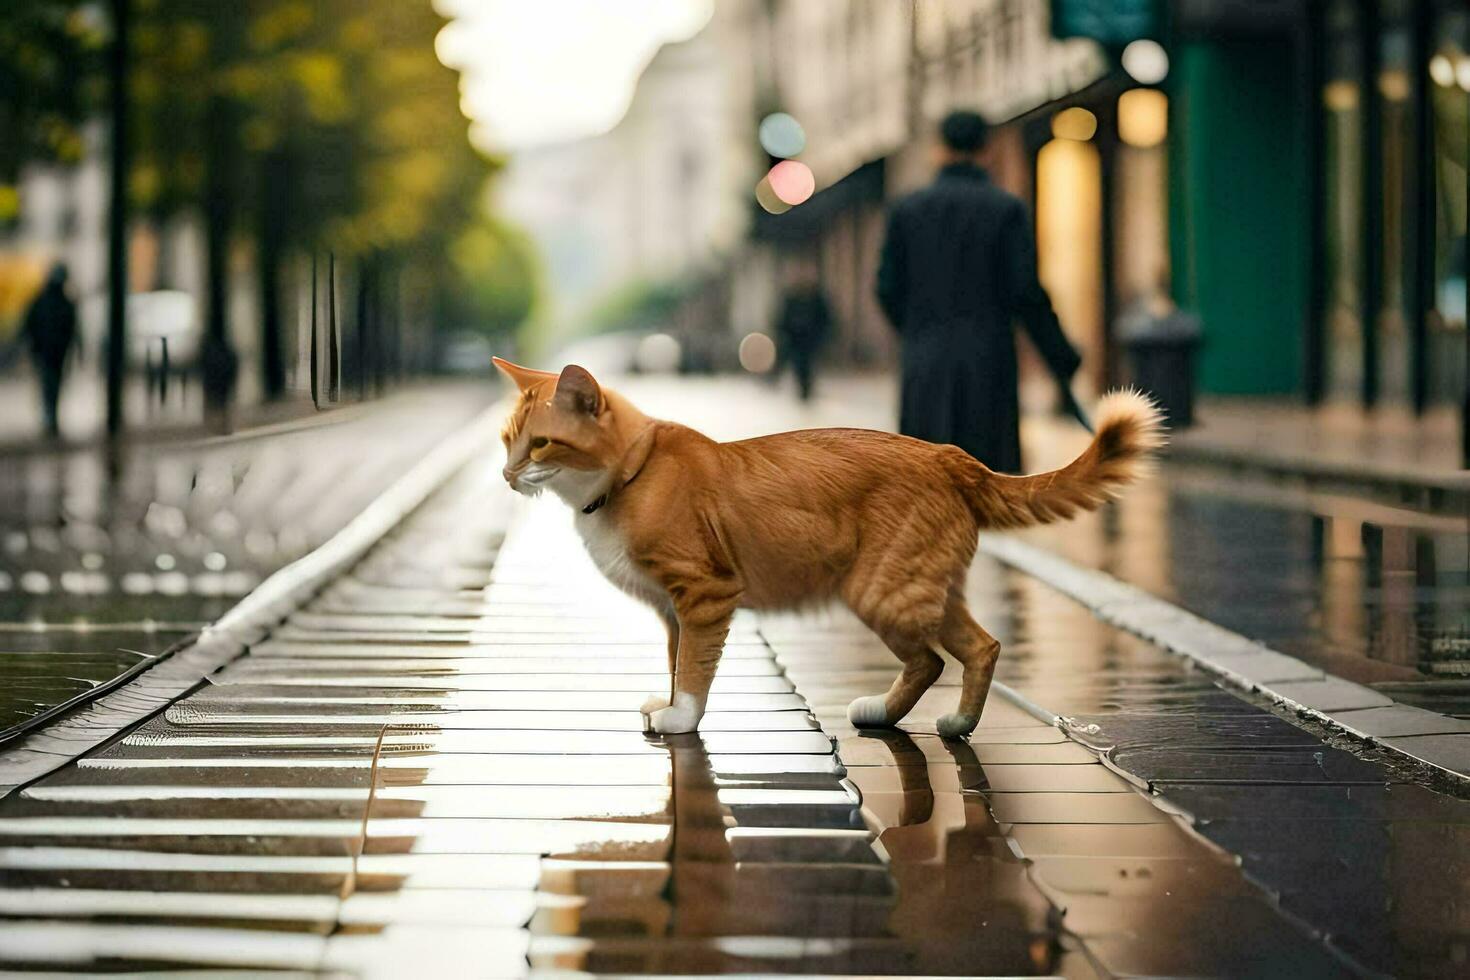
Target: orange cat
x=885 y=523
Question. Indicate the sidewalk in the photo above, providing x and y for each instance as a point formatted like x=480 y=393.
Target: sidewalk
x=83 y=410
x=1387 y=452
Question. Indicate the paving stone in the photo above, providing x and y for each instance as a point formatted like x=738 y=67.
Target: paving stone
x=1450 y=752
x=1061 y=807
x=1400 y=720
x=1331 y=694
x=1150 y=840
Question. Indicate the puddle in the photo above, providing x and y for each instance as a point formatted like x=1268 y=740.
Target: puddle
x=1370 y=593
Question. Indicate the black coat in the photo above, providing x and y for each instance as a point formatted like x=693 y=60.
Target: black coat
x=958 y=268
x=50 y=326
x=804 y=323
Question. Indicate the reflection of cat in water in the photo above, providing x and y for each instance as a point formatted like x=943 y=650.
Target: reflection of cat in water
x=885 y=523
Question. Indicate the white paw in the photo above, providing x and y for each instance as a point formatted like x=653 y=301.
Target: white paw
x=956 y=725
x=869 y=712
x=654 y=703
x=674 y=720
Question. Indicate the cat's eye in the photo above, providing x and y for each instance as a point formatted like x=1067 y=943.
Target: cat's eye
x=540 y=442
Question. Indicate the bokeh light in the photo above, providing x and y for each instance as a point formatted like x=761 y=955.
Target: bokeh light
x=1442 y=70
x=792 y=181
x=1146 y=61
x=1143 y=117
x=658 y=353
x=1394 y=84
x=1075 y=123
x=757 y=353
x=781 y=135
x=766 y=197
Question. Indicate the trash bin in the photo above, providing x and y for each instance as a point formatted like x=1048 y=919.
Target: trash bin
x=1161 y=353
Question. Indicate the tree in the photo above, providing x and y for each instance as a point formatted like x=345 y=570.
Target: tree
x=51 y=74
x=496 y=268
x=328 y=125
x=310 y=125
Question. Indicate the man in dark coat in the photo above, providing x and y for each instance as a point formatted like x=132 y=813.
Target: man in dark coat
x=958 y=268
x=50 y=328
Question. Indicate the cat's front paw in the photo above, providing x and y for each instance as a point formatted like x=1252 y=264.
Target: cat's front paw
x=674 y=720
x=654 y=703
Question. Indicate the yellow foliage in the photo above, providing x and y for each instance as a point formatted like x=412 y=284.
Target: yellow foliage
x=260 y=134
x=277 y=26
x=358 y=34
x=245 y=81
x=190 y=45
x=145 y=183
x=147 y=40
x=21 y=278
x=69 y=147
x=9 y=202
x=320 y=78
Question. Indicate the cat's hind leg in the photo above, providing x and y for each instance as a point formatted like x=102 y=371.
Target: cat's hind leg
x=894 y=591
x=899 y=586
x=978 y=651
x=921 y=668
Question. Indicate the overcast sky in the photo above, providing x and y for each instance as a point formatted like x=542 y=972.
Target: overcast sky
x=545 y=71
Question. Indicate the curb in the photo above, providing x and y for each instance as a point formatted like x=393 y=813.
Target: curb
x=1421 y=737
x=172 y=675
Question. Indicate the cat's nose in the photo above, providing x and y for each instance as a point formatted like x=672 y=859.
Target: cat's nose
x=509 y=477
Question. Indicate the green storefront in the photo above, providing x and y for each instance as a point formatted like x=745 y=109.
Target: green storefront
x=1317 y=196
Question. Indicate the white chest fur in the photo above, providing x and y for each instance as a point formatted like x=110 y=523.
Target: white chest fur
x=606 y=548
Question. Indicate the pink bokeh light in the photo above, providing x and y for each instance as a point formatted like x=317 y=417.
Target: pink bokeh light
x=793 y=181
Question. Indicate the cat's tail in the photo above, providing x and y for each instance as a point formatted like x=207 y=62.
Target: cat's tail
x=1130 y=429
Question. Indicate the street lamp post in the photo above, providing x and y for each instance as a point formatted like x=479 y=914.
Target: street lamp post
x=117 y=221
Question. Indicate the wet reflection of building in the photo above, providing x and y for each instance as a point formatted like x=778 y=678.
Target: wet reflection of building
x=1390 y=589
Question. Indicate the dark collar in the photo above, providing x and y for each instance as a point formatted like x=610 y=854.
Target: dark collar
x=631 y=466
x=965 y=171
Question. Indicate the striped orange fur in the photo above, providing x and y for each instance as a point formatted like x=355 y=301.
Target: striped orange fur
x=883 y=523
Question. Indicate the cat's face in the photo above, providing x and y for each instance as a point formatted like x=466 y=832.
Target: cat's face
x=557 y=437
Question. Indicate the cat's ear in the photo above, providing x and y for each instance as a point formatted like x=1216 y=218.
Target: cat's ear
x=523 y=377
x=577 y=391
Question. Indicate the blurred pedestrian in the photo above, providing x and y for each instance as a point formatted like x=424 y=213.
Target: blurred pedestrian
x=50 y=329
x=958 y=267
x=804 y=324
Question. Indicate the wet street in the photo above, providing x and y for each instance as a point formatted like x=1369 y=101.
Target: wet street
x=435 y=765
x=105 y=566
x=1376 y=594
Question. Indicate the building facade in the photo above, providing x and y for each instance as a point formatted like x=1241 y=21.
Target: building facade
x=1292 y=171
